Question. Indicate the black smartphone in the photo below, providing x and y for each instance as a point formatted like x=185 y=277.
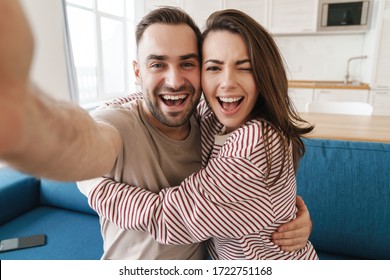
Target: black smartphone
x=22 y=242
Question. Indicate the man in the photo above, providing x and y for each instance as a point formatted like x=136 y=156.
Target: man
x=154 y=142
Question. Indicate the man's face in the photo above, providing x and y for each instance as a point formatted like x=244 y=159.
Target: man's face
x=169 y=73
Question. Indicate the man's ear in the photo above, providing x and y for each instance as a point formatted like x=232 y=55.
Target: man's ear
x=137 y=73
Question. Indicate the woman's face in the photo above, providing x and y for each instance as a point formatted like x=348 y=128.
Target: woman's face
x=227 y=78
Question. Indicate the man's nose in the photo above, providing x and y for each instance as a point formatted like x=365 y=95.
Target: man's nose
x=175 y=78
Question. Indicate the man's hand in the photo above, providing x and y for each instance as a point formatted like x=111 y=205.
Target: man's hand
x=295 y=234
x=16 y=52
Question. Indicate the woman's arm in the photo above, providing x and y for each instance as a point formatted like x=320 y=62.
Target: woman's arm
x=205 y=205
x=229 y=198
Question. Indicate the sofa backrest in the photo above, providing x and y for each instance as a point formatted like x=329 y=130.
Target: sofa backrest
x=64 y=195
x=346 y=186
x=19 y=193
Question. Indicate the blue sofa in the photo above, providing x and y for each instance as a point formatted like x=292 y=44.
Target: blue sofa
x=29 y=206
x=346 y=186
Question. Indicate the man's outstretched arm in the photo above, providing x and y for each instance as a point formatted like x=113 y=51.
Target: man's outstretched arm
x=40 y=135
x=295 y=234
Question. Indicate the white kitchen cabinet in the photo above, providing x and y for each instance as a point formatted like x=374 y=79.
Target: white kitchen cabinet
x=279 y=16
x=201 y=9
x=381 y=79
x=380 y=101
x=292 y=16
x=258 y=9
x=359 y=95
x=301 y=97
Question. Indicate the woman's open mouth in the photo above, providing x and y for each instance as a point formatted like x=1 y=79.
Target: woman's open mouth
x=230 y=103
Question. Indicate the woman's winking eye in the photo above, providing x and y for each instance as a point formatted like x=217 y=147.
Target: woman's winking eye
x=244 y=65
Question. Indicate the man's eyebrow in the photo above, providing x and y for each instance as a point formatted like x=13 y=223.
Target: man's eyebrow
x=189 y=56
x=156 y=57
x=165 y=57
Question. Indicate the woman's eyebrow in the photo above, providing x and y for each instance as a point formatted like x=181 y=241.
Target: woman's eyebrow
x=242 y=61
x=213 y=61
x=238 y=62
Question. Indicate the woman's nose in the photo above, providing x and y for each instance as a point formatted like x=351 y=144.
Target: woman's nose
x=228 y=79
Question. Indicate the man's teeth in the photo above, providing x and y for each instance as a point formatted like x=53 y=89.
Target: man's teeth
x=230 y=99
x=174 y=97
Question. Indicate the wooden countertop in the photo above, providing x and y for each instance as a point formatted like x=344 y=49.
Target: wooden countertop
x=349 y=127
x=327 y=84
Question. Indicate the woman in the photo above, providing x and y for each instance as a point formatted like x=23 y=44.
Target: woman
x=251 y=148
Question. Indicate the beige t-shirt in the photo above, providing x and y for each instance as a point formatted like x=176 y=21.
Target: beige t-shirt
x=151 y=160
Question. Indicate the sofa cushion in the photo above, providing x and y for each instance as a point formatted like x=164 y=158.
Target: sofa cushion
x=19 y=193
x=70 y=235
x=64 y=195
x=346 y=186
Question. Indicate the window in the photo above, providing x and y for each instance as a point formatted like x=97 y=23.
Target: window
x=101 y=34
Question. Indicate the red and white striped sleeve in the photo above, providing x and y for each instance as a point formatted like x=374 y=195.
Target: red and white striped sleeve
x=228 y=198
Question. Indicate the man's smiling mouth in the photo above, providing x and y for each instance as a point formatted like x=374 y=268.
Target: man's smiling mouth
x=174 y=99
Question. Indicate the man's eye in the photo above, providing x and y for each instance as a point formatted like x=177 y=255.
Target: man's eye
x=157 y=65
x=187 y=64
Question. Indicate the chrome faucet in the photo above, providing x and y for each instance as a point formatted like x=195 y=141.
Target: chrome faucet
x=346 y=78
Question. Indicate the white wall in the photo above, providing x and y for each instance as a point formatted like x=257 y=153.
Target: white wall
x=49 y=69
x=323 y=57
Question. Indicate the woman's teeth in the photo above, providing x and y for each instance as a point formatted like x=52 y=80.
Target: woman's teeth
x=230 y=99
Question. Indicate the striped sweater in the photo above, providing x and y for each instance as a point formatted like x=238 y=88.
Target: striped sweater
x=234 y=202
